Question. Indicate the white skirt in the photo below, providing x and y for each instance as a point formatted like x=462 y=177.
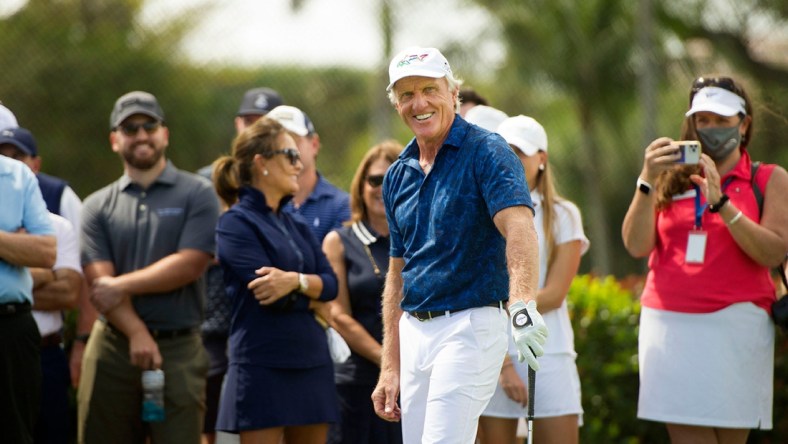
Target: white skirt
x=708 y=369
x=557 y=390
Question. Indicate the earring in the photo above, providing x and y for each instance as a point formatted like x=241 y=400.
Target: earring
x=541 y=167
x=265 y=172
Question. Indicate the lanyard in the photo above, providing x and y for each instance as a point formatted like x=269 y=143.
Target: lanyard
x=699 y=209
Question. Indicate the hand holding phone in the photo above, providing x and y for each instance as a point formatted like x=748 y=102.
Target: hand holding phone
x=689 y=151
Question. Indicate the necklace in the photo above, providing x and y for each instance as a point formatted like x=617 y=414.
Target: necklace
x=367 y=238
x=375 y=267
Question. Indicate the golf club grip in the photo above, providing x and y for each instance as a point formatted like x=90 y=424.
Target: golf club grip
x=531 y=392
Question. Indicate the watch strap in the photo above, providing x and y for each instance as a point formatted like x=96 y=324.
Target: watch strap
x=643 y=186
x=715 y=208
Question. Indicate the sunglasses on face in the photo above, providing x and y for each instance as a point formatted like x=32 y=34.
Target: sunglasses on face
x=726 y=83
x=292 y=155
x=131 y=129
x=374 y=181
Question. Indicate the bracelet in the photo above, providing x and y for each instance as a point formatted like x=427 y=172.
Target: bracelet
x=303 y=283
x=82 y=338
x=643 y=186
x=734 y=219
x=715 y=208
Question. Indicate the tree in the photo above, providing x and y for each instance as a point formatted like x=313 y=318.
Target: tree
x=585 y=50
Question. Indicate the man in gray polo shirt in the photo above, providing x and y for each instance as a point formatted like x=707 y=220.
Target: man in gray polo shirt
x=146 y=241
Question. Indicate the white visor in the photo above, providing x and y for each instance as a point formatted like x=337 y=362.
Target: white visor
x=718 y=101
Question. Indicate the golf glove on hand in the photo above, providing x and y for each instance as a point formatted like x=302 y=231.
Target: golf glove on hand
x=529 y=331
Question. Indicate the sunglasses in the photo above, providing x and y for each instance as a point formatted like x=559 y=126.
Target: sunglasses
x=374 y=181
x=726 y=83
x=131 y=129
x=292 y=155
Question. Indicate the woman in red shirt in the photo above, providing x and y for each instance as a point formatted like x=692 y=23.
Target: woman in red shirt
x=706 y=341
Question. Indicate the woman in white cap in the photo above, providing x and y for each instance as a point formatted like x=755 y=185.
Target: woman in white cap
x=706 y=341
x=561 y=243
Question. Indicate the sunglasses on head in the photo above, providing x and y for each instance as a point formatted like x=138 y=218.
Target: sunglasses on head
x=726 y=83
x=292 y=155
x=131 y=129
x=375 y=180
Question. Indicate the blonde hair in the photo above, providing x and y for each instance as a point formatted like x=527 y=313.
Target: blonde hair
x=232 y=172
x=550 y=197
x=389 y=150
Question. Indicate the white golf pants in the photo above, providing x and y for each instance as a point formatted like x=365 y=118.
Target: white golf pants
x=449 y=368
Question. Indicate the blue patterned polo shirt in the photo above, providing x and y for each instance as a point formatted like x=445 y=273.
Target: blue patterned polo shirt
x=442 y=223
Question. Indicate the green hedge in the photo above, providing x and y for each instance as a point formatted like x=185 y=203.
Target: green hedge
x=605 y=317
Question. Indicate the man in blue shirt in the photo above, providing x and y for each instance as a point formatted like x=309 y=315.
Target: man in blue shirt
x=26 y=240
x=323 y=206
x=54 y=289
x=462 y=243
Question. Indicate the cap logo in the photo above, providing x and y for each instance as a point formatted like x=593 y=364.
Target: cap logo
x=134 y=101
x=261 y=101
x=411 y=58
x=8 y=133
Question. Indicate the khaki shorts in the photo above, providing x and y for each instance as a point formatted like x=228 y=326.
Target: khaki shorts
x=109 y=398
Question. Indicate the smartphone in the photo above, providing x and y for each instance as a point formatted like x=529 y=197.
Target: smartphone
x=689 y=151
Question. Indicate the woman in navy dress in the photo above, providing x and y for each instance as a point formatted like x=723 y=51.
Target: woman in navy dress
x=359 y=255
x=280 y=380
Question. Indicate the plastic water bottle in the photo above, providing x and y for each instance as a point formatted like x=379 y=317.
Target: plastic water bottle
x=153 y=396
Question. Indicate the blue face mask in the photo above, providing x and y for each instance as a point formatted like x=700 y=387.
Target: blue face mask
x=718 y=143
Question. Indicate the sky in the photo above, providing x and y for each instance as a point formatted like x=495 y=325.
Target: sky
x=322 y=32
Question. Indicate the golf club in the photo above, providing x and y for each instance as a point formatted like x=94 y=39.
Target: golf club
x=531 y=392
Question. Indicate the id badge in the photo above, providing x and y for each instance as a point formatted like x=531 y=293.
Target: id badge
x=696 y=247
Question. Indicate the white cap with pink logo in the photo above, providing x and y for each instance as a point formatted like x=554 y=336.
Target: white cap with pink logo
x=422 y=62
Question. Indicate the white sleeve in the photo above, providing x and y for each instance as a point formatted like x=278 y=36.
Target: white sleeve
x=67 y=244
x=71 y=208
x=569 y=226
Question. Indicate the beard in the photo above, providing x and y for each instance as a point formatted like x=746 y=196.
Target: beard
x=142 y=164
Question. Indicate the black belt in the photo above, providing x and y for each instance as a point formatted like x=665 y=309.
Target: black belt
x=160 y=334
x=427 y=315
x=13 y=308
x=51 y=340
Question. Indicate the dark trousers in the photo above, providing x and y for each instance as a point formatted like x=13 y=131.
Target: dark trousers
x=20 y=377
x=54 y=422
x=359 y=424
x=216 y=346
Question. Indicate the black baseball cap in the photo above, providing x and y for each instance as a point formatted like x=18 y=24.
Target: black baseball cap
x=259 y=101
x=135 y=102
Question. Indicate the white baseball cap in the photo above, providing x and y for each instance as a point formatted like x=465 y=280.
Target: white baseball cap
x=525 y=133
x=486 y=117
x=293 y=119
x=7 y=118
x=718 y=101
x=422 y=62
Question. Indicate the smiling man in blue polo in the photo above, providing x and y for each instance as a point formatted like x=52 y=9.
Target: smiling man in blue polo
x=463 y=243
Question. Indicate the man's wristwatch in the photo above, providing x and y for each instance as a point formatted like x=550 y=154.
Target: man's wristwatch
x=303 y=283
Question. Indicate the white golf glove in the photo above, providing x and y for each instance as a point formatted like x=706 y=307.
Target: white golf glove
x=529 y=331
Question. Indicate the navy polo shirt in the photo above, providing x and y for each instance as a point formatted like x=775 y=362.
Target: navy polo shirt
x=441 y=223
x=323 y=210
